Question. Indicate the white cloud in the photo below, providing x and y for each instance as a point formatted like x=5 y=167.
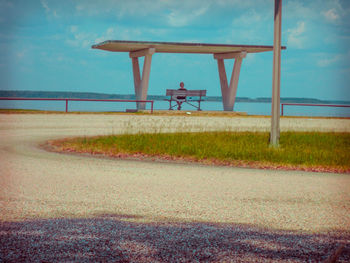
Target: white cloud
x=83 y=39
x=174 y=19
x=336 y=13
x=50 y=12
x=243 y=4
x=60 y=58
x=296 y=9
x=57 y=59
x=108 y=35
x=119 y=8
x=147 y=7
x=55 y=13
x=328 y=61
x=331 y=15
x=248 y=19
x=80 y=39
x=295 y=36
x=247 y=36
x=299 y=29
x=179 y=18
x=45 y=5
x=333 y=11
x=86 y=39
x=73 y=29
x=119 y=33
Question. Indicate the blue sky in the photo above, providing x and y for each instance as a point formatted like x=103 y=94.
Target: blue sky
x=46 y=45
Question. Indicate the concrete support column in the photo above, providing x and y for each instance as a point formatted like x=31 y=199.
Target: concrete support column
x=141 y=82
x=137 y=79
x=223 y=82
x=229 y=92
x=145 y=79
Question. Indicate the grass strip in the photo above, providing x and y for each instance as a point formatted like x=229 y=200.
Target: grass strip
x=298 y=150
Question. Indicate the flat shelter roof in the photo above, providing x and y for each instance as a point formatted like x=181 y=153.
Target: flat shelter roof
x=175 y=47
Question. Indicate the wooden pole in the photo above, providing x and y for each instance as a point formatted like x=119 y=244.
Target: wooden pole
x=276 y=79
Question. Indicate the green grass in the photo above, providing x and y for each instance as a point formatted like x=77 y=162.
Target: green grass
x=298 y=150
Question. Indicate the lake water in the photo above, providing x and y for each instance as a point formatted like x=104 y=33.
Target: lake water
x=251 y=108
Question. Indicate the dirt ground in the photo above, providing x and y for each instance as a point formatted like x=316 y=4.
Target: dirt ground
x=58 y=207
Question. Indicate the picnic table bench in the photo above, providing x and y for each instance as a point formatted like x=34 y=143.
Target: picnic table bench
x=185 y=96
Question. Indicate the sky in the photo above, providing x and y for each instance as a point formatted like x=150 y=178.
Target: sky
x=46 y=45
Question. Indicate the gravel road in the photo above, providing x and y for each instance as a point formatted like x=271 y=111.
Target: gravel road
x=59 y=207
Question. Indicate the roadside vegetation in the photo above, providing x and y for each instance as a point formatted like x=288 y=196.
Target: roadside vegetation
x=313 y=151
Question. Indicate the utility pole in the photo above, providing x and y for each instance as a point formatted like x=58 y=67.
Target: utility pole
x=276 y=76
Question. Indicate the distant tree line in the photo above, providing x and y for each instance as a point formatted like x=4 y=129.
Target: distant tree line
x=92 y=95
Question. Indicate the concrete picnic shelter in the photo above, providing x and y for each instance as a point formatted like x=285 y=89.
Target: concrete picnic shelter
x=220 y=52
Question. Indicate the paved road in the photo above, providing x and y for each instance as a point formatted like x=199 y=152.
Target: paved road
x=51 y=197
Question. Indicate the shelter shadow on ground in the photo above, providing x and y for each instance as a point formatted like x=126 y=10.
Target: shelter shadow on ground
x=112 y=237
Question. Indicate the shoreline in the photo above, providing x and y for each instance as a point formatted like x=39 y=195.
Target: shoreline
x=165 y=113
